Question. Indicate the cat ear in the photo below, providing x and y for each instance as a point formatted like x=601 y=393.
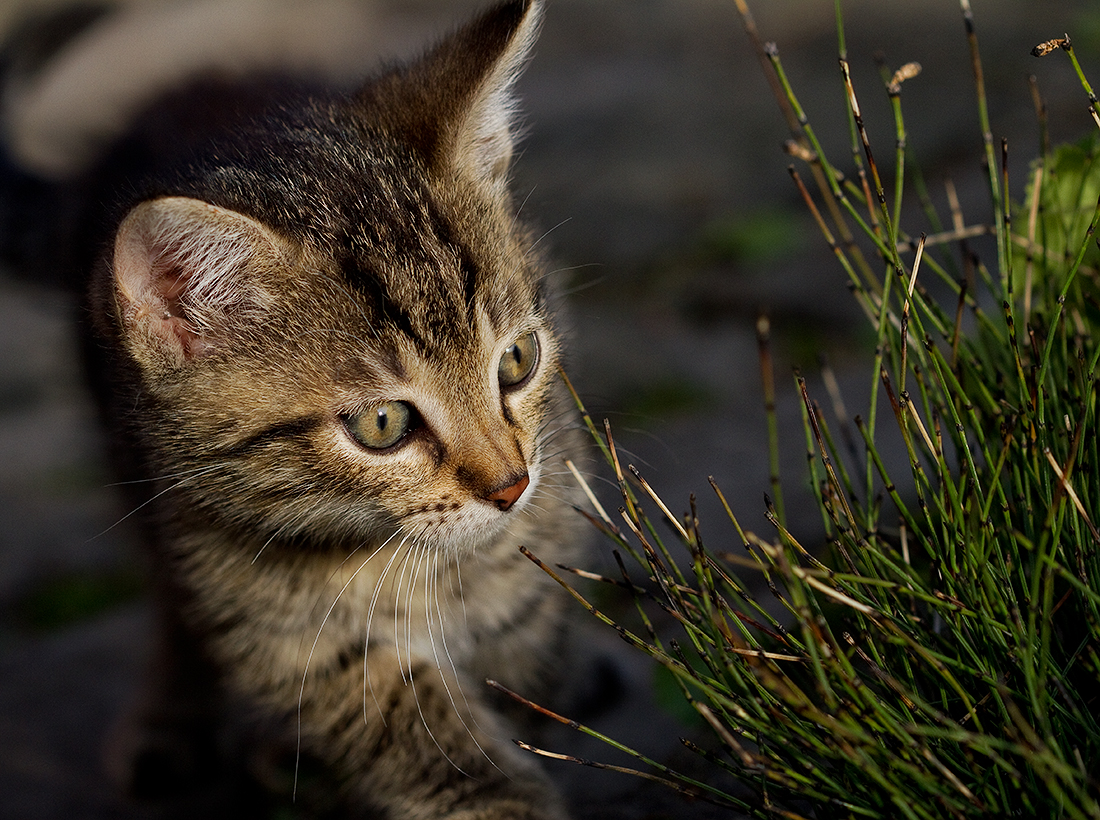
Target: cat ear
x=456 y=105
x=185 y=276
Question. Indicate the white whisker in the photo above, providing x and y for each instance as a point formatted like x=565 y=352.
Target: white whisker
x=313 y=648
x=422 y=551
x=191 y=474
x=428 y=728
x=368 y=682
x=431 y=592
x=461 y=597
x=286 y=527
x=421 y=556
x=400 y=580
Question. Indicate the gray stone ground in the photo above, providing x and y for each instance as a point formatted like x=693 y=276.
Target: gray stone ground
x=649 y=124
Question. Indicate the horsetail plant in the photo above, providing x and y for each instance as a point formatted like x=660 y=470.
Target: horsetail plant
x=941 y=657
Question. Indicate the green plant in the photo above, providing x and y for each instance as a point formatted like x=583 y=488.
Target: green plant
x=941 y=658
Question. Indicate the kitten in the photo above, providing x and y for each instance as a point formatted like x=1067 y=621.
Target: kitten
x=324 y=346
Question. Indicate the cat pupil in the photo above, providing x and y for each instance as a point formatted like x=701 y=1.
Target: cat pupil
x=518 y=361
x=382 y=426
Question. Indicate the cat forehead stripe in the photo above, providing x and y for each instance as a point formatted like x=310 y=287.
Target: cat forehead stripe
x=420 y=276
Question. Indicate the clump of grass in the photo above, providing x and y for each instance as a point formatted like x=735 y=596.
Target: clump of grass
x=941 y=658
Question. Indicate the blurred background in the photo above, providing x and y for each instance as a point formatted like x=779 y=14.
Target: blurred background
x=653 y=160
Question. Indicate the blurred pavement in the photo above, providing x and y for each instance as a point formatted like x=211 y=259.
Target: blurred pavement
x=653 y=160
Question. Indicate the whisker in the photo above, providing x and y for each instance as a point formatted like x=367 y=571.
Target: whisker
x=397 y=608
x=529 y=253
x=461 y=596
x=428 y=728
x=423 y=550
x=161 y=477
x=522 y=205
x=197 y=473
x=421 y=555
x=368 y=682
x=431 y=584
x=545 y=234
x=287 y=526
x=583 y=286
x=313 y=648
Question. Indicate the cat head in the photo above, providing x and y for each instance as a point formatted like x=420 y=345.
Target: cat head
x=335 y=324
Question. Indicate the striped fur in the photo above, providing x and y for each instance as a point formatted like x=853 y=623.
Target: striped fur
x=274 y=281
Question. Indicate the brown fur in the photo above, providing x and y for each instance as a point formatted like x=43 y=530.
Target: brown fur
x=255 y=303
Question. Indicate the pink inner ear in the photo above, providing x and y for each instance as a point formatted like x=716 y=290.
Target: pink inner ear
x=152 y=297
x=160 y=309
x=176 y=320
x=183 y=275
x=171 y=286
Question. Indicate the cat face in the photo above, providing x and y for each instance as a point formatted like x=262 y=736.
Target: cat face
x=304 y=395
x=338 y=329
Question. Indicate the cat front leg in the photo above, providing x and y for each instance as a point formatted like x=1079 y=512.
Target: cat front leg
x=415 y=743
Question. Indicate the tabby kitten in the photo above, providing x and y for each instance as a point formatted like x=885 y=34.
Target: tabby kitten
x=326 y=352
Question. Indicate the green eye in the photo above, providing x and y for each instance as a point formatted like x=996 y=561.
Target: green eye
x=381 y=426
x=519 y=360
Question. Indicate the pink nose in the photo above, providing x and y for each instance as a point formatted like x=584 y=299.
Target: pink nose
x=506 y=497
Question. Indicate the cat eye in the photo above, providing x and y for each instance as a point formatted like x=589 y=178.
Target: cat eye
x=518 y=360
x=383 y=425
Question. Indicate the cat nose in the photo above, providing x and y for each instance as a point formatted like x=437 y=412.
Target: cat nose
x=505 y=497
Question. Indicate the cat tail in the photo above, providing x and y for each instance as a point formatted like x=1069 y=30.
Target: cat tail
x=32 y=203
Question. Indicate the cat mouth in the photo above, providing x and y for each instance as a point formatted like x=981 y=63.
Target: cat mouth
x=461 y=528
